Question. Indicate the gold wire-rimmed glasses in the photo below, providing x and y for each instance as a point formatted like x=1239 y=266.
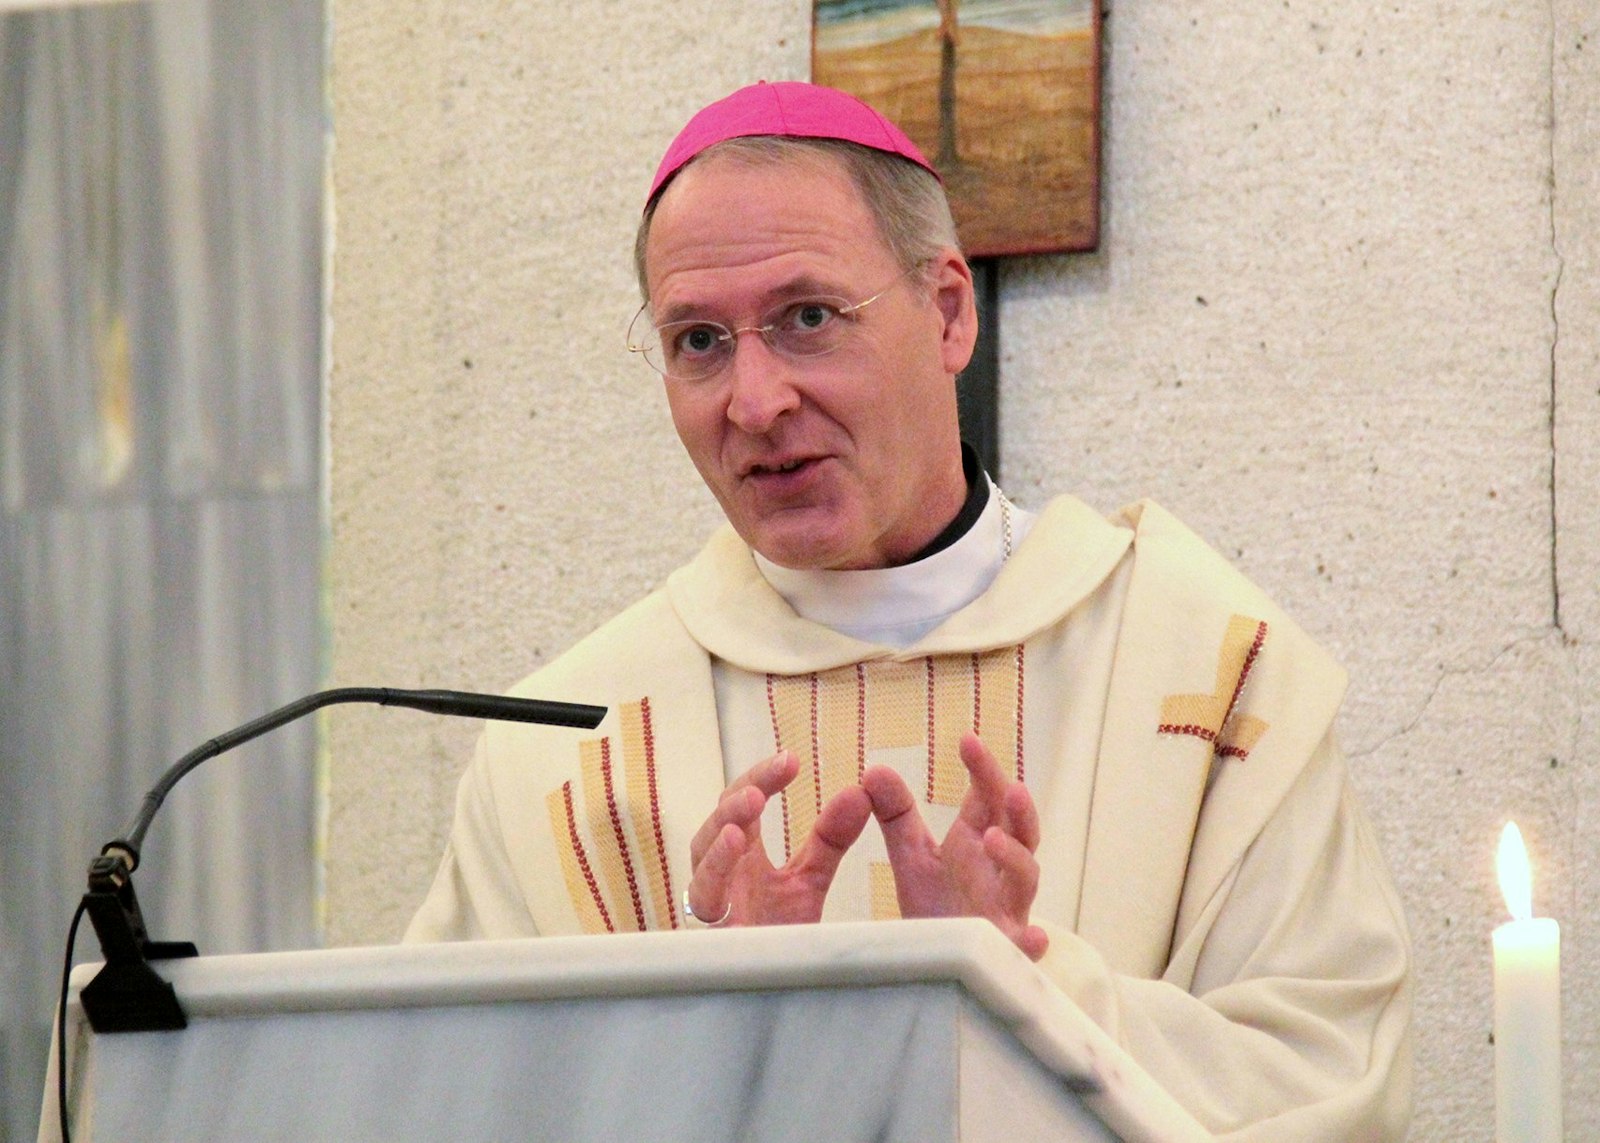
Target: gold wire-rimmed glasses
x=800 y=328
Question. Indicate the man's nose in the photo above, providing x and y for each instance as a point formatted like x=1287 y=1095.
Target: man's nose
x=760 y=383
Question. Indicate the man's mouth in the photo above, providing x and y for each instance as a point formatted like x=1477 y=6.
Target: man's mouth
x=786 y=466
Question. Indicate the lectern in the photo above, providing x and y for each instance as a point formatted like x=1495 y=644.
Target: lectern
x=915 y=1031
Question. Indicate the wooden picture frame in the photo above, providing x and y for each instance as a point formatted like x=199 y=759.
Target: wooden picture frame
x=1003 y=96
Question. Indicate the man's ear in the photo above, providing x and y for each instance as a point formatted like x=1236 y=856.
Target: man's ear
x=958 y=309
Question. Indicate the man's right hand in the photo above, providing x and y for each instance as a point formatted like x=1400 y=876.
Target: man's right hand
x=733 y=876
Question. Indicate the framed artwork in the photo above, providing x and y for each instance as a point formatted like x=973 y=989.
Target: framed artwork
x=1002 y=95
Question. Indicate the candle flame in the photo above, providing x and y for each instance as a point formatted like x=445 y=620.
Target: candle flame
x=1516 y=877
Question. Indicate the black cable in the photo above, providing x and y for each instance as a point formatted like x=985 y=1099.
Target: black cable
x=61 y=1024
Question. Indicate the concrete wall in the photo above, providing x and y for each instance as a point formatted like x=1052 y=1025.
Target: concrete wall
x=1345 y=321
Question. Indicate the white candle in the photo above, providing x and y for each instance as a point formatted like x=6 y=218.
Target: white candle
x=1527 y=1008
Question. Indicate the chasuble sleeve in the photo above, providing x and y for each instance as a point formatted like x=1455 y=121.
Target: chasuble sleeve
x=1284 y=1009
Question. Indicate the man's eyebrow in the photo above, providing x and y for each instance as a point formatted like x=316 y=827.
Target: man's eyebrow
x=801 y=286
x=680 y=311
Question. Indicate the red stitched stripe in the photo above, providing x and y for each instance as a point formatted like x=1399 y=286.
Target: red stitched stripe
x=655 y=809
x=622 y=838
x=861 y=721
x=1225 y=751
x=816 y=750
x=977 y=696
x=777 y=744
x=583 y=858
x=1249 y=661
x=928 y=661
x=1019 y=712
x=1187 y=728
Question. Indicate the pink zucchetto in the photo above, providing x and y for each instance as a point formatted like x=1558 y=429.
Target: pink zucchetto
x=799 y=110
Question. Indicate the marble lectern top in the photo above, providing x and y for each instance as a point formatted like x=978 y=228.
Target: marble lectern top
x=868 y=961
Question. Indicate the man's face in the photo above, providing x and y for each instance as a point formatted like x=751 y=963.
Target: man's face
x=849 y=460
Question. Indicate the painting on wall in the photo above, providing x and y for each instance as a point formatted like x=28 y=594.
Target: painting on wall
x=1002 y=95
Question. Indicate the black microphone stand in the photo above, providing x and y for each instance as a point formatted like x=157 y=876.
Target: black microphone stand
x=127 y=995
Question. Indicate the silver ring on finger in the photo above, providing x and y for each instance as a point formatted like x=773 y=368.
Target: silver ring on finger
x=688 y=911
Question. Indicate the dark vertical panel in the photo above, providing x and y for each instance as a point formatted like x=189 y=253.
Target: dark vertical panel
x=978 y=387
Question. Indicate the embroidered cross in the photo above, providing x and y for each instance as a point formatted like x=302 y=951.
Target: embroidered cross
x=835 y=720
x=1212 y=717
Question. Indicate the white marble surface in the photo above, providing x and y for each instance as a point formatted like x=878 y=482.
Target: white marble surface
x=914 y=1030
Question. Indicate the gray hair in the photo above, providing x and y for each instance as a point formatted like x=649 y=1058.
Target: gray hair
x=907 y=202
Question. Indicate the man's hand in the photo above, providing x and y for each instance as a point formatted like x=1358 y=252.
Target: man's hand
x=984 y=867
x=732 y=874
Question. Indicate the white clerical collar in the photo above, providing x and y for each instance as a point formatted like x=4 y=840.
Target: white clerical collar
x=898 y=606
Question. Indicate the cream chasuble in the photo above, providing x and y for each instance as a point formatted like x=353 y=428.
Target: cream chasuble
x=1210 y=886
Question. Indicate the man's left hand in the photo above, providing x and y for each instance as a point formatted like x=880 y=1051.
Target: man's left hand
x=985 y=865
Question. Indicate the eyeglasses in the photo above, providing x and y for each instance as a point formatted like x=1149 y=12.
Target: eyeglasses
x=697 y=350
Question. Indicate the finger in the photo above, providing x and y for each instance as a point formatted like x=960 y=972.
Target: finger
x=744 y=799
x=712 y=883
x=1022 y=816
x=1019 y=870
x=739 y=806
x=1019 y=885
x=771 y=774
x=1033 y=941
x=888 y=792
x=1011 y=900
x=985 y=798
x=986 y=773
x=893 y=805
x=996 y=797
x=837 y=828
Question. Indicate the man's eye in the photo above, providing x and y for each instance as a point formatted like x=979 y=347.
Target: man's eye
x=695 y=341
x=808 y=317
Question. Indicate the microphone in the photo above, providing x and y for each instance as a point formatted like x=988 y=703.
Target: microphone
x=127 y=995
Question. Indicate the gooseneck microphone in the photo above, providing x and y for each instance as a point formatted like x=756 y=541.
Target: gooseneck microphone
x=127 y=995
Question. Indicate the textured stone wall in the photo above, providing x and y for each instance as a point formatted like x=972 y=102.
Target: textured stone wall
x=1345 y=321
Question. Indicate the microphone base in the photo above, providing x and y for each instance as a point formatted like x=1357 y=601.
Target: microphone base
x=132 y=998
x=127 y=995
